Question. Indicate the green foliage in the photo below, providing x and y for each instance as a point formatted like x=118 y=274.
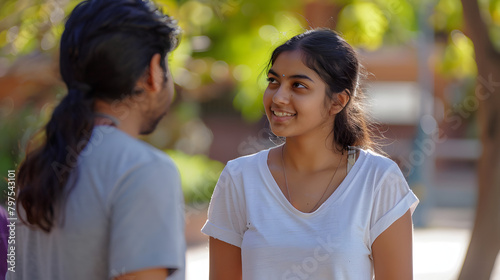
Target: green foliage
x=27 y=26
x=18 y=130
x=402 y=20
x=493 y=6
x=447 y=16
x=363 y=24
x=494 y=9
x=370 y=24
x=199 y=175
x=458 y=60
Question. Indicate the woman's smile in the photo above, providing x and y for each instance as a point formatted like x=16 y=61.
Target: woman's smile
x=279 y=116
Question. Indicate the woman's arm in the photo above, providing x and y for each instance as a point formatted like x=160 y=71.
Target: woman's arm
x=225 y=261
x=392 y=251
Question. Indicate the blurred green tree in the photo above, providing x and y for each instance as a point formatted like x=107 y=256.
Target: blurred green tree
x=199 y=174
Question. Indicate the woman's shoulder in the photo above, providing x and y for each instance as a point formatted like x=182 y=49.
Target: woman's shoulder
x=249 y=161
x=379 y=170
x=244 y=169
x=377 y=161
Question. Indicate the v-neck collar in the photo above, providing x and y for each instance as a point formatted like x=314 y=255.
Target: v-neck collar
x=276 y=191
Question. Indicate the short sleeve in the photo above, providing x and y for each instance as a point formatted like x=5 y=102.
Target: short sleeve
x=147 y=220
x=226 y=216
x=392 y=199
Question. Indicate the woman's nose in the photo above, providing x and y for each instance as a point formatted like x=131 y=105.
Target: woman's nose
x=281 y=96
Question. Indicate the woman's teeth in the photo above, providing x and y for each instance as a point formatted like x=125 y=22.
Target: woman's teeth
x=282 y=114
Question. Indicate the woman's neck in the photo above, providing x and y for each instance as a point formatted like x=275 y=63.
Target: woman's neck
x=311 y=155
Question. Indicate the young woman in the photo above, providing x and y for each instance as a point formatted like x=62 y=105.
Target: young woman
x=323 y=205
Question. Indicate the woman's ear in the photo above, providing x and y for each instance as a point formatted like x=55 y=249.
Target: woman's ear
x=340 y=102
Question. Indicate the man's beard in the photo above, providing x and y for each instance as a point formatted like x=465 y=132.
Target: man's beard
x=151 y=126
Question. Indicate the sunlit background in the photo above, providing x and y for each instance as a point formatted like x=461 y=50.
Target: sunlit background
x=421 y=90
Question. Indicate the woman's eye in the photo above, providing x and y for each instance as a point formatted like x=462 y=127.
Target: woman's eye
x=271 y=80
x=298 y=85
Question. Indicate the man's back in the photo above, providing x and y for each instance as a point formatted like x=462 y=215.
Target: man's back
x=110 y=206
x=124 y=213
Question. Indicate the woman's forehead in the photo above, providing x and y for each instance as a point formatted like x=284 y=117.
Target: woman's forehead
x=292 y=63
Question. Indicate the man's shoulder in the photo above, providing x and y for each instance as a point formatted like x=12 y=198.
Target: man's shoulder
x=110 y=145
x=112 y=158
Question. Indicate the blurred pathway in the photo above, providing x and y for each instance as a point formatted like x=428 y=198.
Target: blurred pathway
x=439 y=253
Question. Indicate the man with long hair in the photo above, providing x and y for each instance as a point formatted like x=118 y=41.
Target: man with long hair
x=94 y=201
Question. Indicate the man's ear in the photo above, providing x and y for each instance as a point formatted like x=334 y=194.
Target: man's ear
x=341 y=101
x=156 y=75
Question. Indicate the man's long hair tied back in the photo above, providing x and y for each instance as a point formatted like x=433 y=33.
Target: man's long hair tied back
x=106 y=47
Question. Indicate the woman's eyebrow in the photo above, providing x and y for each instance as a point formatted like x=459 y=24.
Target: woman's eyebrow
x=271 y=71
x=297 y=76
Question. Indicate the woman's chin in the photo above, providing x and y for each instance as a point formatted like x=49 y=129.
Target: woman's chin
x=278 y=132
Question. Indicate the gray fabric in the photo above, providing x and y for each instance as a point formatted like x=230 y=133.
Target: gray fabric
x=125 y=213
x=351 y=157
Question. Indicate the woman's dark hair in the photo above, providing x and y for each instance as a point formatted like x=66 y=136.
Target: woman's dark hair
x=106 y=47
x=336 y=62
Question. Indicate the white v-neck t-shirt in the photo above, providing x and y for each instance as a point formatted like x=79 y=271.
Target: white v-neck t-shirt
x=279 y=242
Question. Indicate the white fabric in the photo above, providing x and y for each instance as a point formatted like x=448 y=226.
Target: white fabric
x=277 y=241
x=125 y=213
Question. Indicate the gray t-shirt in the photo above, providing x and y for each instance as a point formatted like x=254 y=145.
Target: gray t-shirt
x=125 y=213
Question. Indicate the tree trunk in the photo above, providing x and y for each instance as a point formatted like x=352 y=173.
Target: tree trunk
x=485 y=240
